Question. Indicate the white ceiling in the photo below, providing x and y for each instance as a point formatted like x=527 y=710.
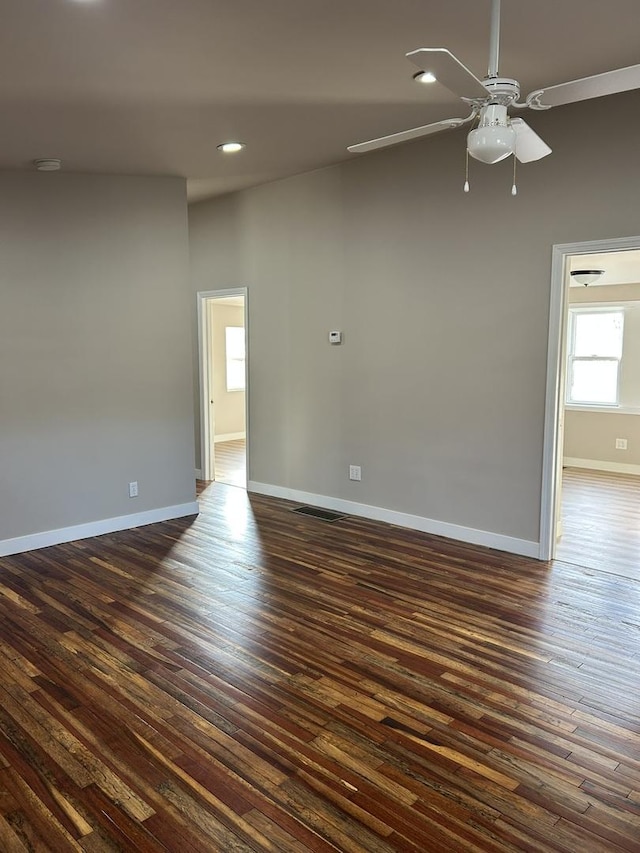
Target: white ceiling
x=235 y=301
x=151 y=86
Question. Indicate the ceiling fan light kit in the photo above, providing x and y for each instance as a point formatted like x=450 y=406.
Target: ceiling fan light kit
x=497 y=135
x=494 y=139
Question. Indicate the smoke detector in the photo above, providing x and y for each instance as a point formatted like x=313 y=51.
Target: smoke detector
x=48 y=164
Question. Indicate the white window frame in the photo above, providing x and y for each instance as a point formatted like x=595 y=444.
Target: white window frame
x=227 y=360
x=574 y=312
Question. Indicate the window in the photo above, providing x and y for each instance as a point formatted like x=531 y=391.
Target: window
x=595 y=350
x=234 y=357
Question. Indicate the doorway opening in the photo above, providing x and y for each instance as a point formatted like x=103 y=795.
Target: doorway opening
x=591 y=466
x=222 y=333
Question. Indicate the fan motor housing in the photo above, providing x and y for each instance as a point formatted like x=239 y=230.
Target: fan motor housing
x=503 y=90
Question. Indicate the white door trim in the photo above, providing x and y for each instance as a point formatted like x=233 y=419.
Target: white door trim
x=552 y=454
x=207 y=462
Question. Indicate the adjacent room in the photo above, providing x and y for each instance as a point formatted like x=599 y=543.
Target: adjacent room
x=222 y=379
x=265 y=257
x=600 y=493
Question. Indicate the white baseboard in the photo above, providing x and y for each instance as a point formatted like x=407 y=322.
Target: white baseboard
x=523 y=547
x=596 y=465
x=198 y=473
x=34 y=541
x=229 y=436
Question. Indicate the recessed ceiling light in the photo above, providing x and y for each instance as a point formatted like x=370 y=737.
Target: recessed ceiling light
x=425 y=77
x=231 y=147
x=48 y=164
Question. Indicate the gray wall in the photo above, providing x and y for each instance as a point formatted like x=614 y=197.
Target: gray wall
x=95 y=350
x=438 y=390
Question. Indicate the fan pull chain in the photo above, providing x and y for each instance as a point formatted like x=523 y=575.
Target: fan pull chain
x=466 y=171
x=514 y=188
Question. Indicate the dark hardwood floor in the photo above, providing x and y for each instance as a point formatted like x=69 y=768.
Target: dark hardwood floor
x=601 y=521
x=231 y=462
x=256 y=680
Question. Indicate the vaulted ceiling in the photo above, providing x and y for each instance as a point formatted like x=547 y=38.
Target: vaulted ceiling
x=152 y=86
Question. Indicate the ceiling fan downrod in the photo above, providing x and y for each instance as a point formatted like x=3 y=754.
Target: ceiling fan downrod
x=494 y=44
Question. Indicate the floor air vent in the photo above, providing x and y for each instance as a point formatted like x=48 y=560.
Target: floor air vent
x=322 y=514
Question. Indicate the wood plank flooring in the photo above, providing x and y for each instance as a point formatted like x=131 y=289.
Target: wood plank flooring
x=231 y=462
x=255 y=680
x=601 y=521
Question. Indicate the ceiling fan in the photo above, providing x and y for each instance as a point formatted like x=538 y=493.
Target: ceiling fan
x=497 y=135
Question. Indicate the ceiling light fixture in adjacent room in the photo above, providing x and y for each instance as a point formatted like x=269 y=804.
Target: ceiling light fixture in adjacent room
x=231 y=147
x=48 y=164
x=586 y=277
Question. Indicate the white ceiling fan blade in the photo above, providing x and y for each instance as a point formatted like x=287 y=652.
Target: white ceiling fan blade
x=448 y=71
x=609 y=83
x=406 y=135
x=529 y=146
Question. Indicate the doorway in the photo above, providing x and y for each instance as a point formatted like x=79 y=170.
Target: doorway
x=592 y=428
x=222 y=327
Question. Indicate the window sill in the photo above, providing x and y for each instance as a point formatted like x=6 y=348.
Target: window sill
x=607 y=410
